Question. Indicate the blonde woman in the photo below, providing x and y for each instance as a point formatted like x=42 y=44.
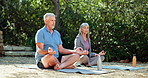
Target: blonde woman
x=82 y=40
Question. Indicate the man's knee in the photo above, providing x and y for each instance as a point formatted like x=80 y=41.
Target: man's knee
x=76 y=56
x=48 y=59
x=48 y=56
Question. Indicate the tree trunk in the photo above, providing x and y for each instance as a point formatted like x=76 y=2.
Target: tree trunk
x=56 y=4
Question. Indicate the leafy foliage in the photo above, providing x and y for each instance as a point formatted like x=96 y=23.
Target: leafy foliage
x=23 y=20
x=117 y=26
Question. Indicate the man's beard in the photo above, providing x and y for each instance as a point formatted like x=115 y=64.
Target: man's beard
x=52 y=27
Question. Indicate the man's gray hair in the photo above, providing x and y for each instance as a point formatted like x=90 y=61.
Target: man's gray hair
x=47 y=15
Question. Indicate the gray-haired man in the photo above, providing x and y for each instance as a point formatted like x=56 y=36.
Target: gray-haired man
x=49 y=44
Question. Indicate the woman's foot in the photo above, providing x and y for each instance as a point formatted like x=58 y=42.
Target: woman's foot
x=88 y=65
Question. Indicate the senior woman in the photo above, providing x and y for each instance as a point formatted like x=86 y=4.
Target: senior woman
x=82 y=40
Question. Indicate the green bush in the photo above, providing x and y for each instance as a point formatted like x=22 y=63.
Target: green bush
x=23 y=19
x=117 y=26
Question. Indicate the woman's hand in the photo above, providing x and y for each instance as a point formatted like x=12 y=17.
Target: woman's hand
x=101 y=53
x=50 y=51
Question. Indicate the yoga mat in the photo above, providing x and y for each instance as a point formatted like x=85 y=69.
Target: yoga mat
x=81 y=71
x=120 y=68
x=28 y=66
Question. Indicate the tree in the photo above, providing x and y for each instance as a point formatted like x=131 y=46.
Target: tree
x=56 y=4
x=117 y=26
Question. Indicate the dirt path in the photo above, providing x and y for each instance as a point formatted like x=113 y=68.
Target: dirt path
x=9 y=69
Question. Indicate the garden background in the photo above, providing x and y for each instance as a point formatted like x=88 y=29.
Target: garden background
x=120 y=27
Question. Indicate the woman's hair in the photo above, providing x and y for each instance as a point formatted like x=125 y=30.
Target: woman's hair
x=82 y=25
x=47 y=15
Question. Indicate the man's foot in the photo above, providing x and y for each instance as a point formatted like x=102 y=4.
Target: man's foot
x=88 y=64
x=70 y=67
x=57 y=67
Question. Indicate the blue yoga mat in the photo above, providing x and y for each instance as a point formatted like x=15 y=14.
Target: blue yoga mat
x=83 y=71
x=120 y=68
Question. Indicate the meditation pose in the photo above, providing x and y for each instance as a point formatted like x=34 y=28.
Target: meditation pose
x=82 y=40
x=49 y=44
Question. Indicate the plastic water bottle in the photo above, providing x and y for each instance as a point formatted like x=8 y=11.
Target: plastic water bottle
x=99 y=63
x=134 y=60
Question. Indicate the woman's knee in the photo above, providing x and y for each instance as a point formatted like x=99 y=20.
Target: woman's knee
x=102 y=58
x=85 y=57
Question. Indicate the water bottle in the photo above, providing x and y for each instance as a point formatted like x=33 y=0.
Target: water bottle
x=134 y=60
x=99 y=63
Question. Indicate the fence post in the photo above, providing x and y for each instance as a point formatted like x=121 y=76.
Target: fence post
x=1 y=44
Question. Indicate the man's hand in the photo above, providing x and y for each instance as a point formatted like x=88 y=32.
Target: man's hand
x=85 y=52
x=79 y=49
x=50 y=51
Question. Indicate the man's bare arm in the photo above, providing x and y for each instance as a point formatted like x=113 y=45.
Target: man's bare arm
x=67 y=51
